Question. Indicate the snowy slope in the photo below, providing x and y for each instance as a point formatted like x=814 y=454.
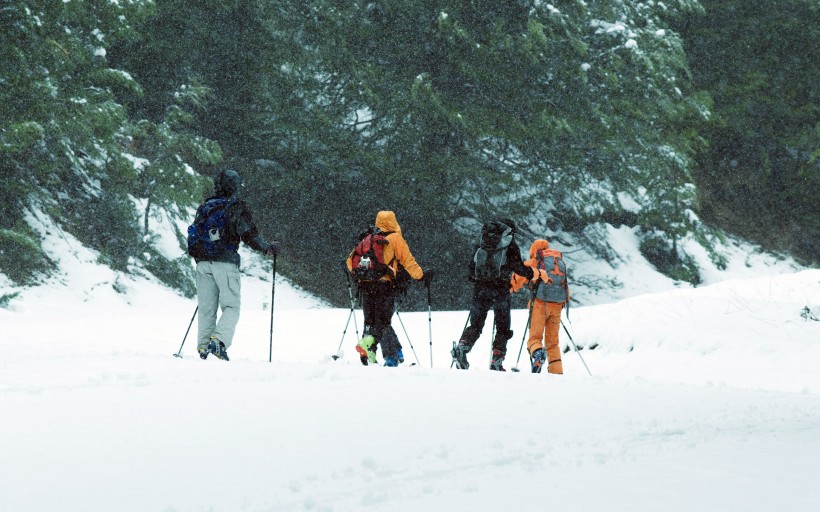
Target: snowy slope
x=702 y=399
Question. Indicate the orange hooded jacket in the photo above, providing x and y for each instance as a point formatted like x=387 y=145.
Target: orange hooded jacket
x=396 y=252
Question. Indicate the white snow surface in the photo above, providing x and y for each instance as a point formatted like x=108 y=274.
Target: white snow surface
x=703 y=399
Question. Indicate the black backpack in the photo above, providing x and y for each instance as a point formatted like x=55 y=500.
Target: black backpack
x=491 y=253
x=207 y=236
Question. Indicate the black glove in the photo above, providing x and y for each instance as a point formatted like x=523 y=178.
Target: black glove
x=273 y=249
x=428 y=276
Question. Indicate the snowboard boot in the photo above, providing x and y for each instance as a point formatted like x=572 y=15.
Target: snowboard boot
x=498 y=359
x=218 y=349
x=538 y=358
x=459 y=354
x=367 y=350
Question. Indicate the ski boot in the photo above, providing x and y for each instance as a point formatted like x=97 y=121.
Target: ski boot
x=498 y=359
x=400 y=355
x=538 y=358
x=218 y=349
x=367 y=350
x=459 y=354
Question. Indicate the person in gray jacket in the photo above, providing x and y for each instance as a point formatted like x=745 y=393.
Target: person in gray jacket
x=222 y=221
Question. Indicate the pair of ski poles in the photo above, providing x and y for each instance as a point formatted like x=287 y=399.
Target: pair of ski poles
x=272 y=297
x=526 y=332
x=395 y=311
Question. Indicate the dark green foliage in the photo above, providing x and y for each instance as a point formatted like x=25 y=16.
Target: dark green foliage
x=21 y=257
x=6 y=299
x=668 y=260
x=444 y=111
x=67 y=145
x=761 y=176
x=108 y=223
x=177 y=274
x=563 y=116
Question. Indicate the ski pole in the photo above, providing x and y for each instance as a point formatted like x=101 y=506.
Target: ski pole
x=526 y=328
x=178 y=354
x=272 y=295
x=492 y=340
x=396 y=311
x=430 y=323
x=352 y=313
x=576 y=348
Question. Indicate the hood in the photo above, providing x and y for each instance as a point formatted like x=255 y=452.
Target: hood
x=227 y=183
x=386 y=221
x=538 y=245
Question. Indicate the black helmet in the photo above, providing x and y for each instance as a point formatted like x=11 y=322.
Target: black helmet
x=227 y=183
x=509 y=223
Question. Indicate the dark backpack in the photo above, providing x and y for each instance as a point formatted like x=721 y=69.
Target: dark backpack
x=552 y=262
x=367 y=257
x=207 y=236
x=491 y=253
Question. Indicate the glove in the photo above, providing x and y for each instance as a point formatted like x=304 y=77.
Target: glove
x=428 y=276
x=273 y=249
x=541 y=275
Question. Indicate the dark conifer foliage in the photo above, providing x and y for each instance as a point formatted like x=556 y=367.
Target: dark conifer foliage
x=565 y=116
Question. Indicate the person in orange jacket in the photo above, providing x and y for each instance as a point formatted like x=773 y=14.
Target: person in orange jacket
x=551 y=293
x=378 y=293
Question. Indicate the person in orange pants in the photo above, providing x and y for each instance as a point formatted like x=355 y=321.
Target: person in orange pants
x=551 y=292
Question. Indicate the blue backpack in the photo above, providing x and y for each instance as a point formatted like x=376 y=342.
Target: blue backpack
x=207 y=236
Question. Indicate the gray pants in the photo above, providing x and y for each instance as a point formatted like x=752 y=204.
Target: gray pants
x=217 y=286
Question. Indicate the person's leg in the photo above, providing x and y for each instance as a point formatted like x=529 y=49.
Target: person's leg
x=383 y=331
x=553 y=348
x=501 y=312
x=478 y=315
x=366 y=347
x=538 y=320
x=207 y=296
x=227 y=280
x=368 y=307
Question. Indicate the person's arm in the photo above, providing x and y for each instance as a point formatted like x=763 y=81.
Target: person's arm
x=402 y=254
x=514 y=257
x=246 y=230
x=519 y=281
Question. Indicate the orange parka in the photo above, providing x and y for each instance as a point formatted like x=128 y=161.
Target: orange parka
x=396 y=252
x=545 y=317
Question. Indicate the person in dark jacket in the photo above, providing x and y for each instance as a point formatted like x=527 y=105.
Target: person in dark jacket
x=217 y=276
x=493 y=293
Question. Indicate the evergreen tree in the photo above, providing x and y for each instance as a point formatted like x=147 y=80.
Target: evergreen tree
x=760 y=176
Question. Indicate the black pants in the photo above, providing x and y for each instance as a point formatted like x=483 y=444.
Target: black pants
x=484 y=299
x=378 y=306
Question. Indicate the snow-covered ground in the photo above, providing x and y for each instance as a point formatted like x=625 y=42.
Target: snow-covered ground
x=702 y=399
